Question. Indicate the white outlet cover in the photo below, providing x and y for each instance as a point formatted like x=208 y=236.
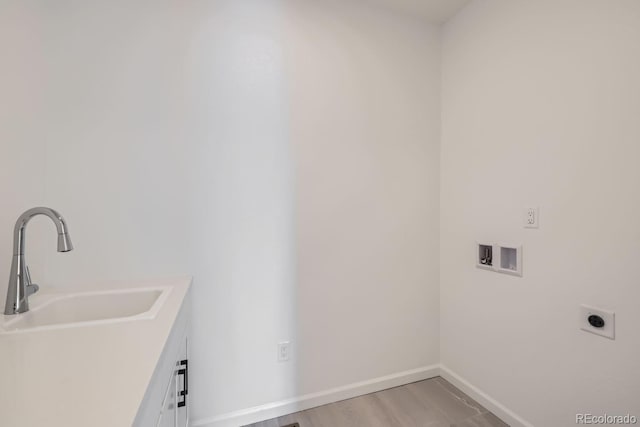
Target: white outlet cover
x=609 y=317
x=531 y=217
x=284 y=351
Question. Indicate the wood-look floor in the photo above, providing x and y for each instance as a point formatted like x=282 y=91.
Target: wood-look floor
x=430 y=403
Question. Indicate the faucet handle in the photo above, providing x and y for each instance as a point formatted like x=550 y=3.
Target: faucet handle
x=30 y=288
x=27 y=275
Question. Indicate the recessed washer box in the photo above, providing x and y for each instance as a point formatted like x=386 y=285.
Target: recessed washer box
x=510 y=260
x=484 y=256
x=501 y=258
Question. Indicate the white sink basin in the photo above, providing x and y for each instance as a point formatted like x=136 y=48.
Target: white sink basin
x=88 y=308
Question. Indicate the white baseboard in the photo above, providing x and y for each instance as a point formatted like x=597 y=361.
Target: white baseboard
x=288 y=406
x=498 y=409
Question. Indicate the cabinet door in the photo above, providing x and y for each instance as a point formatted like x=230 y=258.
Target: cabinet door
x=169 y=409
x=182 y=414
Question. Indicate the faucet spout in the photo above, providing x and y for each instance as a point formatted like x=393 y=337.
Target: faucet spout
x=20 y=286
x=64 y=243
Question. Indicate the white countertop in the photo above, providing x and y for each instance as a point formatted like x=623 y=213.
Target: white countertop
x=85 y=376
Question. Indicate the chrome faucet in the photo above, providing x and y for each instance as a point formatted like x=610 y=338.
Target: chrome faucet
x=20 y=286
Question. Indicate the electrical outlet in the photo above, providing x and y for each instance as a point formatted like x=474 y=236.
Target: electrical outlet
x=597 y=321
x=284 y=351
x=531 y=218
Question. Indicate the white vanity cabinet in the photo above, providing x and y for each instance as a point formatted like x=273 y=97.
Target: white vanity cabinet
x=122 y=371
x=175 y=405
x=167 y=400
x=168 y=412
x=182 y=388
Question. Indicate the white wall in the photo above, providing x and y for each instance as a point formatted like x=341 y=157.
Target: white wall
x=242 y=189
x=21 y=157
x=167 y=132
x=95 y=118
x=540 y=107
x=364 y=93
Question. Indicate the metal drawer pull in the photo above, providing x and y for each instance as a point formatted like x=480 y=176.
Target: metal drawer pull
x=185 y=377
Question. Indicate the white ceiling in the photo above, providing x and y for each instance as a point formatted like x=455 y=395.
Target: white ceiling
x=434 y=11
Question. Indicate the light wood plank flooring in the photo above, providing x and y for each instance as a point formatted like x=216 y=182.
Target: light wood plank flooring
x=430 y=403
